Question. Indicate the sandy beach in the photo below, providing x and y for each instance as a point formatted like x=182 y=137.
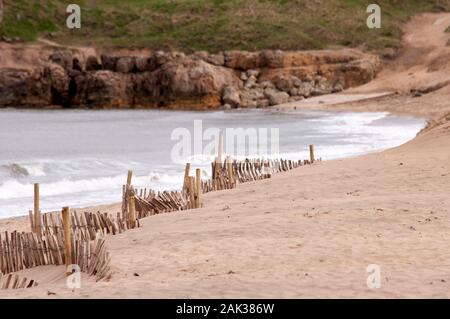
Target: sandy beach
x=313 y=231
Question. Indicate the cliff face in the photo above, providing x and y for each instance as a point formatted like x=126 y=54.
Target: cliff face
x=94 y=79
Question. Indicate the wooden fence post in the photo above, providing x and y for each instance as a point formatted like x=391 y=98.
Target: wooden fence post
x=130 y=175
x=67 y=238
x=187 y=171
x=192 y=190
x=198 y=188
x=311 y=153
x=220 y=148
x=132 y=209
x=218 y=164
x=30 y=213
x=230 y=171
x=37 y=213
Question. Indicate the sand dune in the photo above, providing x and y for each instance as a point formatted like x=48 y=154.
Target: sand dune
x=310 y=232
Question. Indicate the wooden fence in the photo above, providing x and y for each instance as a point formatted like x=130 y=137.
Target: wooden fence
x=20 y=251
x=11 y=281
x=87 y=224
x=47 y=243
x=225 y=175
x=153 y=203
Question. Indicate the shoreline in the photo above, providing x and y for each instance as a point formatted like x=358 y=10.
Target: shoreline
x=20 y=220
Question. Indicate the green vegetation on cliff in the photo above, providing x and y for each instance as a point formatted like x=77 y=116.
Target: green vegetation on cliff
x=215 y=25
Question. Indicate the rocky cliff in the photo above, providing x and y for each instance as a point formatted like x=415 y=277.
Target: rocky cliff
x=73 y=78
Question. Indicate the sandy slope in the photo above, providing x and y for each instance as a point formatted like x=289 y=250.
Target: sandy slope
x=310 y=232
x=423 y=62
x=424 y=59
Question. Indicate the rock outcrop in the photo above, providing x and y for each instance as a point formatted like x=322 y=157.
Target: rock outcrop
x=184 y=83
x=174 y=80
x=24 y=88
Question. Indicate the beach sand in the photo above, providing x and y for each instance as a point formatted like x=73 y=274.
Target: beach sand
x=309 y=232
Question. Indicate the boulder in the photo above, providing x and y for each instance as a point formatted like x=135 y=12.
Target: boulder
x=92 y=64
x=109 y=62
x=338 y=87
x=76 y=65
x=306 y=88
x=185 y=83
x=216 y=59
x=250 y=98
x=275 y=97
x=231 y=96
x=294 y=91
x=226 y=107
x=263 y=103
x=360 y=71
x=308 y=78
x=200 y=55
x=322 y=87
x=271 y=59
x=160 y=58
x=126 y=64
x=296 y=81
x=102 y=89
x=253 y=73
x=248 y=103
x=60 y=82
x=145 y=64
x=267 y=84
x=251 y=82
x=241 y=60
x=62 y=57
x=283 y=83
x=318 y=79
x=279 y=98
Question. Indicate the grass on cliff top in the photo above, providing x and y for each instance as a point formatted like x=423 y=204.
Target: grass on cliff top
x=215 y=25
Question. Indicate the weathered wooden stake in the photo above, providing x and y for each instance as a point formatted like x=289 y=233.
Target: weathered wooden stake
x=132 y=209
x=67 y=238
x=311 y=153
x=130 y=175
x=30 y=213
x=230 y=171
x=37 y=213
x=219 y=158
x=192 y=190
x=187 y=171
x=198 y=188
x=220 y=151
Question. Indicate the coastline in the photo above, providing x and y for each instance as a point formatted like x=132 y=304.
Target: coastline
x=20 y=222
x=307 y=233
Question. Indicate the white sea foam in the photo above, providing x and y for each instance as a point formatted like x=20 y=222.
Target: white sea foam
x=14 y=189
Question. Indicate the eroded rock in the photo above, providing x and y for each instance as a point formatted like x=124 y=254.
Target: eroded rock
x=24 y=88
x=92 y=64
x=231 y=96
x=174 y=80
x=63 y=58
